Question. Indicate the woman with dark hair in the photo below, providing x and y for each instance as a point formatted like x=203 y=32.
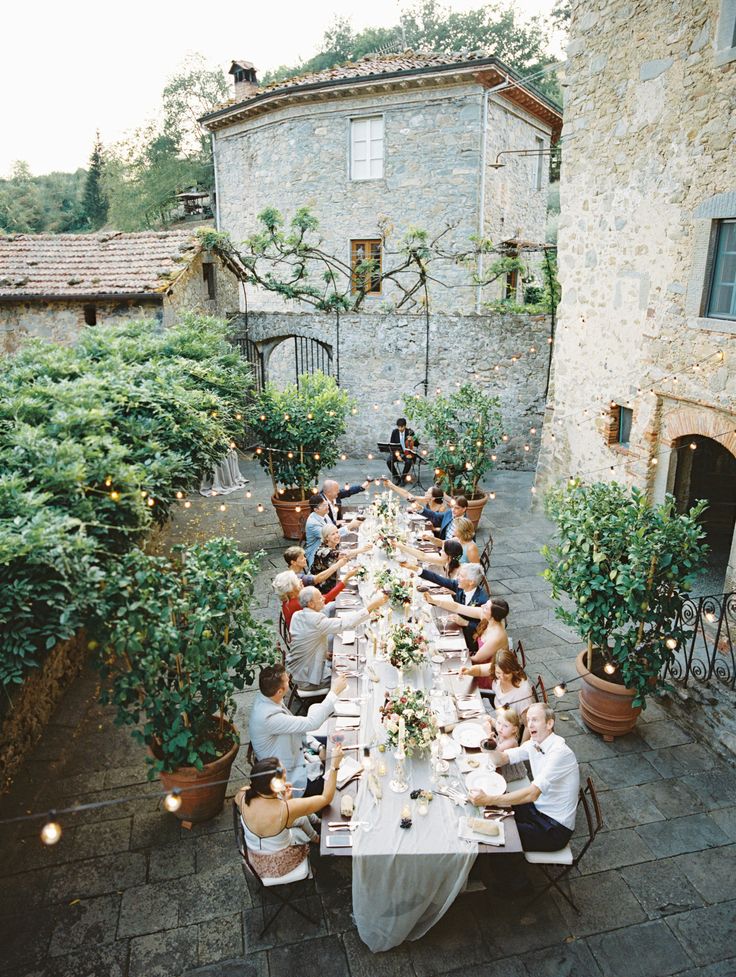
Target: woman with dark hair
x=277 y=826
x=449 y=558
x=491 y=637
x=328 y=554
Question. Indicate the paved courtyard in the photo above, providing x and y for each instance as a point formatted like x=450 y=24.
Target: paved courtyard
x=128 y=893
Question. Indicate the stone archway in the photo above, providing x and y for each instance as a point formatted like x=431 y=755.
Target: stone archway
x=286 y=358
x=706 y=471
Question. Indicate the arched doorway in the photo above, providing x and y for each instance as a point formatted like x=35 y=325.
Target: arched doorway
x=286 y=358
x=708 y=472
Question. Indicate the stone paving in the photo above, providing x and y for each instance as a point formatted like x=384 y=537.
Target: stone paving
x=128 y=893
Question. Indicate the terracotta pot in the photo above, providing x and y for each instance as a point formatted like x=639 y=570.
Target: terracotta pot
x=292 y=516
x=207 y=799
x=605 y=706
x=475 y=509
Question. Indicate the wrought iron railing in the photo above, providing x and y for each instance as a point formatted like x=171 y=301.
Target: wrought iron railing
x=711 y=651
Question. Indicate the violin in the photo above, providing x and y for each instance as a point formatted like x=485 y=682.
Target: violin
x=409 y=447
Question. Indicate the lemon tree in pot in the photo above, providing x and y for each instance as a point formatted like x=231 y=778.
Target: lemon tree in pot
x=464 y=429
x=298 y=429
x=626 y=565
x=177 y=641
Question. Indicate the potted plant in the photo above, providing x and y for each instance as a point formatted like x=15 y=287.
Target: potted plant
x=465 y=428
x=298 y=429
x=626 y=565
x=178 y=640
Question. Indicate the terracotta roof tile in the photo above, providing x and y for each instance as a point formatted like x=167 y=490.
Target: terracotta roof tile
x=70 y=265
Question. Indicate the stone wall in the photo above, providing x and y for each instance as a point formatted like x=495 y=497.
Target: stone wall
x=648 y=165
x=26 y=713
x=382 y=358
x=433 y=141
x=190 y=292
x=61 y=322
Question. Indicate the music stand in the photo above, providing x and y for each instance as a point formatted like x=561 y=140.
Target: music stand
x=389 y=447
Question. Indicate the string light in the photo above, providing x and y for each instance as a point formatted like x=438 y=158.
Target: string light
x=671 y=643
x=560 y=689
x=151 y=502
x=248 y=494
x=693 y=445
x=259 y=507
x=51 y=831
x=238 y=417
x=180 y=495
x=115 y=496
x=609 y=668
x=222 y=507
x=172 y=801
x=108 y=481
x=187 y=505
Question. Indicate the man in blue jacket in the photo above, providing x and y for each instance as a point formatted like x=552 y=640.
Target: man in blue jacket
x=334 y=495
x=467 y=590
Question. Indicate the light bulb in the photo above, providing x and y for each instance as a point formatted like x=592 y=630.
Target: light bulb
x=187 y=505
x=343 y=457
x=51 y=832
x=259 y=507
x=370 y=457
x=316 y=456
x=654 y=461
x=298 y=509
x=115 y=496
x=223 y=507
x=151 y=502
x=492 y=495
x=248 y=494
x=671 y=643
x=180 y=495
x=560 y=690
x=693 y=445
x=263 y=417
x=609 y=668
x=278 y=785
x=172 y=801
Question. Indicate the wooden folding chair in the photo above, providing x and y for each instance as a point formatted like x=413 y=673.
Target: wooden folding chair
x=278 y=886
x=539 y=691
x=521 y=655
x=485 y=556
x=556 y=865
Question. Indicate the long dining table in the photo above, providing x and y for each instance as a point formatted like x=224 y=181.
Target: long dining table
x=405 y=876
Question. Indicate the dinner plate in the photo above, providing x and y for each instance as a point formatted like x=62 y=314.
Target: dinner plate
x=450 y=748
x=487 y=781
x=470 y=734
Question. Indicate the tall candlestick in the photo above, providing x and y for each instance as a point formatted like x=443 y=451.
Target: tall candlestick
x=402 y=731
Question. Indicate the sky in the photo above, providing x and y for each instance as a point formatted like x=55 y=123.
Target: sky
x=68 y=69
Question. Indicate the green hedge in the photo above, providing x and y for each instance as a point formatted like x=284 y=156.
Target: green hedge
x=90 y=436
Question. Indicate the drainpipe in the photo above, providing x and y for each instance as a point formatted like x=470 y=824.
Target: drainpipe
x=482 y=194
x=217 y=189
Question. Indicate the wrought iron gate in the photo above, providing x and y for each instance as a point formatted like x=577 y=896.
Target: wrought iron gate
x=254 y=356
x=310 y=355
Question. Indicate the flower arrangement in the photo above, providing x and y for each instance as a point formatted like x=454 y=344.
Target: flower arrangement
x=419 y=726
x=392 y=584
x=386 y=541
x=361 y=573
x=408 y=646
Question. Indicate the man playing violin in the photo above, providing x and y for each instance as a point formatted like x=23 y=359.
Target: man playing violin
x=403 y=444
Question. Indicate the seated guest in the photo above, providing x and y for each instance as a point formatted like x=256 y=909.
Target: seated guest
x=467 y=590
x=445 y=522
x=296 y=560
x=491 y=637
x=433 y=501
x=288 y=586
x=274 y=730
x=545 y=810
x=507 y=727
x=448 y=559
x=334 y=495
x=313 y=528
x=510 y=686
x=327 y=554
x=308 y=658
x=276 y=825
x=464 y=531
x=403 y=442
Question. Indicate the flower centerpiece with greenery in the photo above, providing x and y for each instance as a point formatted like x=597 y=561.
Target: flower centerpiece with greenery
x=394 y=585
x=627 y=565
x=407 y=646
x=177 y=641
x=420 y=724
x=465 y=428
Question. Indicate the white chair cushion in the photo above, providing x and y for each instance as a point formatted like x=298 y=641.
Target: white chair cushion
x=302 y=871
x=311 y=693
x=561 y=857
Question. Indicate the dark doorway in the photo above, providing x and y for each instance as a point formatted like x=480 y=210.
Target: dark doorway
x=708 y=472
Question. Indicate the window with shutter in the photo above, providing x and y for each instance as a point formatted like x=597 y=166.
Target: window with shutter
x=366 y=148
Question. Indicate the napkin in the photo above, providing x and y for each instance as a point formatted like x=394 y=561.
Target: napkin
x=348 y=769
x=348 y=637
x=347 y=708
x=452 y=642
x=465 y=831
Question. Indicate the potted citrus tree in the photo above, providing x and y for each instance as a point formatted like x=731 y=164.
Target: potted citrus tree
x=177 y=641
x=464 y=428
x=298 y=428
x=626 y=565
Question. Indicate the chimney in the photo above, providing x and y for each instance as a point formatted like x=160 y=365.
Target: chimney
x=245 y=83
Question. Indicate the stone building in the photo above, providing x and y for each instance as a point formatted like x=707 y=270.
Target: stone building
x=644 y=371
x=413 y=139
x=53 y=285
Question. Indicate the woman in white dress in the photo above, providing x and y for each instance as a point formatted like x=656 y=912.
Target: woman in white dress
x=510 y=685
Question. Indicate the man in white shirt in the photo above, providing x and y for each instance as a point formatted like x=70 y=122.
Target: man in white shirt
x=334 y=495
x=274 y=731
x=308 y=658
x=545 y=810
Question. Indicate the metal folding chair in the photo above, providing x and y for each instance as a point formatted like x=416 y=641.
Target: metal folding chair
x=556 y=865
x=283 y=898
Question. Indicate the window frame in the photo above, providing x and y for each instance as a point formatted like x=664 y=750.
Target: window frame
x=715 y=259
x=208 y=278
x=353 y=122
x=726 y=33
x=370 y=243
x=617 y=417
x=539 y=163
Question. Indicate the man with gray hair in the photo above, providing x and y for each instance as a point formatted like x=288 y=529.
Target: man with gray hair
x=545 y=810
x=467 y=590
x=334 y=495
x=309 y=656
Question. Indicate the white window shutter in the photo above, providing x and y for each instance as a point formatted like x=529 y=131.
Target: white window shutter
x=366 y=148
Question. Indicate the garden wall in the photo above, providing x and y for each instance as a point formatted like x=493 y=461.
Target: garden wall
x=382 y=358
x=27 y=709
